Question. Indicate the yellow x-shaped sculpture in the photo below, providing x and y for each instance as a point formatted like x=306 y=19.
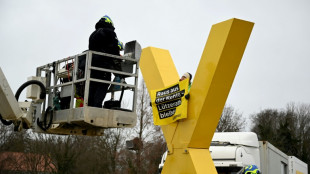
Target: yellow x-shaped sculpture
x=189 y=140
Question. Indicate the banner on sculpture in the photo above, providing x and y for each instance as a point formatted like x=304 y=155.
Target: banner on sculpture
x=169 y=103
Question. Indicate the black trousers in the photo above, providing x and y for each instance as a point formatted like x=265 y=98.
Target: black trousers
x=98 y=91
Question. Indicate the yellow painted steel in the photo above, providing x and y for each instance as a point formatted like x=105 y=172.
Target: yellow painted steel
x=202 y=160
x=157 y=68
x=189 y=161
x=214 y=77
x=189 y=139
x=158 y=71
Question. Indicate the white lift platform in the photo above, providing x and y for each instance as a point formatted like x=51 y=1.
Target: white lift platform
x=54 y=107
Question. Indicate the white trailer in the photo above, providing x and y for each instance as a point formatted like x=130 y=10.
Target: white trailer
x=231 y=151
x=296 y=166
x=272 y=160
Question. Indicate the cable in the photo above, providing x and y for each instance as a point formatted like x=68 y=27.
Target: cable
x=5 y=122
x=31 y=82
x=47 y=126
x=68 y=69
x=19 y=91
x=42 y=124
x=122 y=93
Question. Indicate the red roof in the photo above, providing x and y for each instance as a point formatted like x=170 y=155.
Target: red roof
x=19 y=161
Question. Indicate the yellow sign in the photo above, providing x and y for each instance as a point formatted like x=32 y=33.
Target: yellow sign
x=169 y=103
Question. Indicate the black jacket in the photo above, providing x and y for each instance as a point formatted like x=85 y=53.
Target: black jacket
x=104 y=39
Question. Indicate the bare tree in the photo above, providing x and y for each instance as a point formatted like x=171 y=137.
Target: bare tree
x=146 y=136
x=265 y=124
x=5 y=136
x=231 y=121
x=300 y=128
x=288 y=129
x=37 y=155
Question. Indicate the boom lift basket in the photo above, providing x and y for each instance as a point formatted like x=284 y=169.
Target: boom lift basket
x=68 y=81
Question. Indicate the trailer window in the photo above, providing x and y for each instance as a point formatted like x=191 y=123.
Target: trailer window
x=228 y=170
x=283 y=168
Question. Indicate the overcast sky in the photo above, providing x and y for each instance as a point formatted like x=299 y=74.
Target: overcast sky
x=274 y=70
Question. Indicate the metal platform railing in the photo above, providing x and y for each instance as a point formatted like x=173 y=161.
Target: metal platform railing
x=68 y=80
